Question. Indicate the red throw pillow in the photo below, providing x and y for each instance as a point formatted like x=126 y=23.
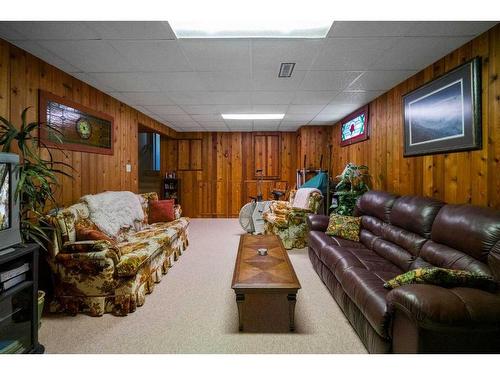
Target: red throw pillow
x=85 y=233
x=161 y=211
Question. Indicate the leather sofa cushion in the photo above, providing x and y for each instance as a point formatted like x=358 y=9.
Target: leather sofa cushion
x=470 y=229
x=366 y=290
x=445 y=257
x=373 y=224
x=393 y=253
x=415 y=214
x=318 y=240
x=409 y=241
x=340 y=259
x=375 y=203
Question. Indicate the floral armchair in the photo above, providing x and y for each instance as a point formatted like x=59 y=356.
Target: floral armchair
x=288 y=222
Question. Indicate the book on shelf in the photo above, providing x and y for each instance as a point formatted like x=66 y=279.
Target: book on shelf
x=12 y=282
x=11 y=347
x=9 y=274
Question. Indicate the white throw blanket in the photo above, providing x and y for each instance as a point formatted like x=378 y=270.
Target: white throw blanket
x=113 y=210
x=301 y=199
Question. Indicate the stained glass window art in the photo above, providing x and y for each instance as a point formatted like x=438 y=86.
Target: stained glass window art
x=354 y=127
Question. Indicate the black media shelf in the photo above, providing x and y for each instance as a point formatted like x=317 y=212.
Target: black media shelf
x=19 y=303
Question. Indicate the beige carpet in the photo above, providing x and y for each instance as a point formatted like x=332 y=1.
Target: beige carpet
x=193 y=310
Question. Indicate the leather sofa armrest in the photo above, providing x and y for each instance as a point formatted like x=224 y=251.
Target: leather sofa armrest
x=432 y=319
x=435 y=306
x=318 y=222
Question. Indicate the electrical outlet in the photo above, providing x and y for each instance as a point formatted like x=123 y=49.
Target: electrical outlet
x=128 y=168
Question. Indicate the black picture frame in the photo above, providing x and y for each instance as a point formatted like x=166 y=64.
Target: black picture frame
x=444 y=115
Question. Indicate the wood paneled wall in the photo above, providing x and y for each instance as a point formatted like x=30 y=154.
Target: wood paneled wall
x=463 y=177
x=22 y=75
x=226 y=180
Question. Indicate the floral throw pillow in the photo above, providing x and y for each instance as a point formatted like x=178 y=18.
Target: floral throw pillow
x=346 y=227
x=444 y=277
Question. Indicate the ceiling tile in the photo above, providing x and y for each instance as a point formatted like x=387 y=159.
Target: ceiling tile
x=200 y=109
x=269 y=54
x=356 y=97
x=351 y=53
x=213 y=124
x=92 y=81
x=338 y=108
x=239 y=123
x=304 y=108
x=416 y=52
x=298 y=117
x=272 y=97
x=234 y=108
x=53 y=30
x=328 y=80
x=381 y=80
x=450 y=28
x=153 y=56
x=229 y=80
x=7 y=32
x=217 y=55
x=132 y=30
x=127 y=81
x=369 y=28
x=215 y=128
x=146 y=98
x=176 y=81
x=330 y=118
x=89 y=55
x=228 y=97
x=163 y=110
x=266 y=123
x=264 y=108
x=314 y=97
x=36 y=49
x=177 y=119
x=268 y=80
x=320 y=122
x=202 y=118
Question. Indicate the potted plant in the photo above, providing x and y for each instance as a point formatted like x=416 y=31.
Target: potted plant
x=37 y=179
x=353 y=182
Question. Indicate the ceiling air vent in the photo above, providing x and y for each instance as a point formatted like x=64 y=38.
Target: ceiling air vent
x=286 y=70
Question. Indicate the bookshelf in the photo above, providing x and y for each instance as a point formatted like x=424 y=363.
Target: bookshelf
x=171 y=189
x=19 y=302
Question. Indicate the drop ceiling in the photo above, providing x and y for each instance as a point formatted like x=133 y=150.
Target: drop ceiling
x=188 y=83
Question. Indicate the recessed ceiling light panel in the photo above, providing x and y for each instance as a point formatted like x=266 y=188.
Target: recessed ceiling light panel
x=253 y=116
x=286 y=70
x=250 y=27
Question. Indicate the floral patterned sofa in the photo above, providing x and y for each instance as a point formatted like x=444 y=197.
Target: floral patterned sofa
x=288 y=222
x=98 y=277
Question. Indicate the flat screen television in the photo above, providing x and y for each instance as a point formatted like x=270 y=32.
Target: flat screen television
x=9 y=208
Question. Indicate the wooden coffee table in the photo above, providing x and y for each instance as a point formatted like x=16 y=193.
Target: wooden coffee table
x=271 y=274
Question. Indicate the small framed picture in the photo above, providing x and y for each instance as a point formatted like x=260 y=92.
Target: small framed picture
x=445 y=115
x=354 y=128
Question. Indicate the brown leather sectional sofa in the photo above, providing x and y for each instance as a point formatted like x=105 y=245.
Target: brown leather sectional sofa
x=399 y=234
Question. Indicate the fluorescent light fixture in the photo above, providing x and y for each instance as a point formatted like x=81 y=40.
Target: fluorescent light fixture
x=253 y=116
x=251 y=27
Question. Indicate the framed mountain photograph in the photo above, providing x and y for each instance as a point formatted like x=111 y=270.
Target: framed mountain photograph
x=445 y=115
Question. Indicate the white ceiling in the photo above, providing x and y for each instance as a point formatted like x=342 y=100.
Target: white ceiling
x=188 y=83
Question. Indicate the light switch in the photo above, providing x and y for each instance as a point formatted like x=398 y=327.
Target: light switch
x=128 y=168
